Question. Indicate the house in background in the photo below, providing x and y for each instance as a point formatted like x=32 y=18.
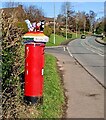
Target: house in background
x=49 y=21
x=17 y=13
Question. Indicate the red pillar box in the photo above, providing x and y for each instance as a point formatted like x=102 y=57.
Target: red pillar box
x=34 y=66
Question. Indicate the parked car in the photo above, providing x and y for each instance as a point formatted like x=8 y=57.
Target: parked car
x=83 y=36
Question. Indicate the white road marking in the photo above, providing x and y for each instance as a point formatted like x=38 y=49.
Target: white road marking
x=69 y=52
x=93 y=46
x=64 y=48
x=92 y=50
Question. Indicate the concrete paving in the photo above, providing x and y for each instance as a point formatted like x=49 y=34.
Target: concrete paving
x=85 y=95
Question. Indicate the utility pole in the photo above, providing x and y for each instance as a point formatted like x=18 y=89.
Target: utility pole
x=66 y=21
x=76 y=26
x=84 y=25
x=54 y=24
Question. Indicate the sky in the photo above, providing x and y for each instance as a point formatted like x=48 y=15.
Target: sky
x=48 y=7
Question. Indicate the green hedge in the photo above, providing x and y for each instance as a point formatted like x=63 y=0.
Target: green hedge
x=68 y=35
x=23 y=26
x=11 y=63
x=58 y=32
x=47 y=31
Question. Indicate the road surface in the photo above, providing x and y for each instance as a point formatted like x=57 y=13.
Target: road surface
x=90 y=55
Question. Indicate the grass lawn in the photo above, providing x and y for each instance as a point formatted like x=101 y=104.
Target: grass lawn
x=59 y=39
x=104 y=39
x=74 y=35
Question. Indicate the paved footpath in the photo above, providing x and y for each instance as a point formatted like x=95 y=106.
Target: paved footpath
x=85 y=94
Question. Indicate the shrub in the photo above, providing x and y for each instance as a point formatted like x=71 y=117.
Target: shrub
x=68 y=35
x=23 y=26
x=47 y=31
x=11 y=63
x=63 y=34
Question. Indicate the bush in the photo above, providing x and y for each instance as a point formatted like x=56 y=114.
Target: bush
x=11 y=63
x=63 y=34
x=99 y=31
x=23 y=26
x=47 y=31
x=68 y=35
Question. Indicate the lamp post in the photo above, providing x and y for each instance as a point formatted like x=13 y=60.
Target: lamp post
x=66 y=21
x=76 y=27
x=84 y=25
x=54 y=24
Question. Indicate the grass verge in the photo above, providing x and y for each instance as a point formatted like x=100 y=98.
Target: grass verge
x=60 y=40
x=53 y=95
x=104 y=39
x=53 y=91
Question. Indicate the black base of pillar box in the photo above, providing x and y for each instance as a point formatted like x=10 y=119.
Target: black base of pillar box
x=33 y=100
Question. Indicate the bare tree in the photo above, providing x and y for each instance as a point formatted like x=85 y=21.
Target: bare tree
x=66 y=16
x=34 y=13
x=66 y=8
x=10 y=4
x=67 y=12
x=60 y=18
x=92 y=16
x=81 y=21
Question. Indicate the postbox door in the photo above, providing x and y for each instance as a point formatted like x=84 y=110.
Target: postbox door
x=34 y=65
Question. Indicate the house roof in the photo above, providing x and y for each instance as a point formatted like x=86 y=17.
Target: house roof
x=48 y=19
x=17 y=11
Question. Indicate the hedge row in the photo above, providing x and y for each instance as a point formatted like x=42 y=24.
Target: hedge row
x=23 y=26
x=11 y=63
x=69 y=35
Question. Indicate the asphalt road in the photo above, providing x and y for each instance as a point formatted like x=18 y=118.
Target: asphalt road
x=90 y=55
